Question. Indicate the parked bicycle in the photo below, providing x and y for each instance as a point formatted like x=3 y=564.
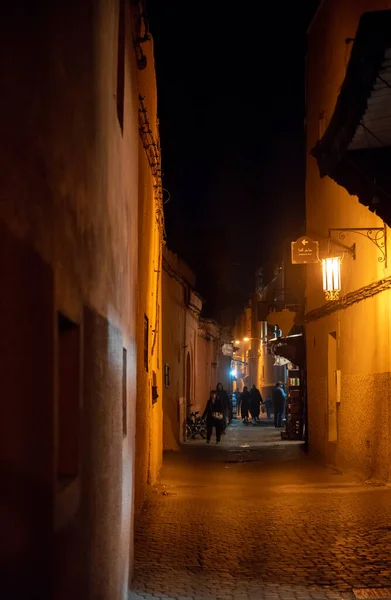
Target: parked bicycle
x=195 y=425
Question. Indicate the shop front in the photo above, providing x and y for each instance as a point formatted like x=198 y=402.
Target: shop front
x=291 y=349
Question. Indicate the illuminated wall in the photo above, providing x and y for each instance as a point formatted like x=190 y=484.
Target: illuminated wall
x=181 y=309
x=268 y=373
x=348 y=352
x=149 y=410
x=191 y=350
x=259 y=367
x=207 y=375
x=242 y=329
x=77 y=222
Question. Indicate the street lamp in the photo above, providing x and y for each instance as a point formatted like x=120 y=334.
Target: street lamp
x=246 y=339
x=331 y=268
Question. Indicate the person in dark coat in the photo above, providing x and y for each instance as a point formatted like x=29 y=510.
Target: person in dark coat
x=255 y=402
x=245 y=404
x=222 y=394
x=214 y=415
x=278 y=397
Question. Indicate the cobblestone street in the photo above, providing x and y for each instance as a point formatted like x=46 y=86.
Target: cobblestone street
x=255 y=518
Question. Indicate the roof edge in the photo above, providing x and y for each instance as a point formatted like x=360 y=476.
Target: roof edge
x=371 y=40
x=314 y=18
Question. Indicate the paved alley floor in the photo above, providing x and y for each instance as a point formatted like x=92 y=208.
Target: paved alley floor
x=254 y=518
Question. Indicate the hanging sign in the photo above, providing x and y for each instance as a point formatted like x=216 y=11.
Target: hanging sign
x=304 y=251
x=280 y=361
x=227 y=349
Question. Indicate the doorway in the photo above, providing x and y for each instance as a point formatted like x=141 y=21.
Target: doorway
x=332 y=387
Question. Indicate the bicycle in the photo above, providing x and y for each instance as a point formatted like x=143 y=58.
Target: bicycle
x=195 y=425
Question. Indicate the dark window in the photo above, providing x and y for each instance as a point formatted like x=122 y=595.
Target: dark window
x=146 y=342
x=121 y=64
x=68 y=407
x=124 y=393
x=167 y=375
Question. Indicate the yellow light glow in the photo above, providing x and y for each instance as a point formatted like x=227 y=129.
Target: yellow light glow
x=246 y=339
x=331 y=268
x=237 y=341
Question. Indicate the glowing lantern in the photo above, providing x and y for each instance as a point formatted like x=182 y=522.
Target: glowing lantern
x=331 y=268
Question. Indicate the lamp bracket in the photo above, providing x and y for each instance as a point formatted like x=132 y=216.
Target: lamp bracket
x=348 y=249
x=376 y=235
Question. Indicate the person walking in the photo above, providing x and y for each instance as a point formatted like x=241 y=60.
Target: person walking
x=222 y=394
x=245 y=404
x=279 y=396
x=214 y=416
x=255 y=402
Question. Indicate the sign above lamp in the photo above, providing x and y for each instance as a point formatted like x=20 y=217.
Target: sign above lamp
x=304 y=251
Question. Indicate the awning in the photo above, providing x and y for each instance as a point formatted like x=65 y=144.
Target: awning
x=355 y=150
x=237 y=360
x=291 y=347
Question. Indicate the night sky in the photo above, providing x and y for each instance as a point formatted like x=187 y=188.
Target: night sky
x=231 y=100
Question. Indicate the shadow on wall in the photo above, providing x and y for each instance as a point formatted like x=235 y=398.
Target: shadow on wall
x=87 y=549
x=26 y=421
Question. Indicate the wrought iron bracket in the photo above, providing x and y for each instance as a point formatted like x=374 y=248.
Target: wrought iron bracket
x=348 y=249
x=376 y=235
x=141 y=32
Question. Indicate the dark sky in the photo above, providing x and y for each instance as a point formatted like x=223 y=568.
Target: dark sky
x=231 y=86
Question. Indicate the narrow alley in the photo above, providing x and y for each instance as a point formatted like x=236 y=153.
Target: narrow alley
x=195 y=233
x=256 y=518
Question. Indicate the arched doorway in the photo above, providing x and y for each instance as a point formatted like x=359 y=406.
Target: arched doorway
x=188 y=384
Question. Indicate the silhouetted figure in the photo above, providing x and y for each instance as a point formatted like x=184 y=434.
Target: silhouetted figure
x=245 y=404
x=255 y=402
x=214 y=415
x=279 y=396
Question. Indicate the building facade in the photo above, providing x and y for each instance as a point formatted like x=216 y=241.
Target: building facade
x=192 y=358
x=274 y=310
x=80 y=248
x=212 y=366
x=347 y=208
x=149 y=398
x=181 y=309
